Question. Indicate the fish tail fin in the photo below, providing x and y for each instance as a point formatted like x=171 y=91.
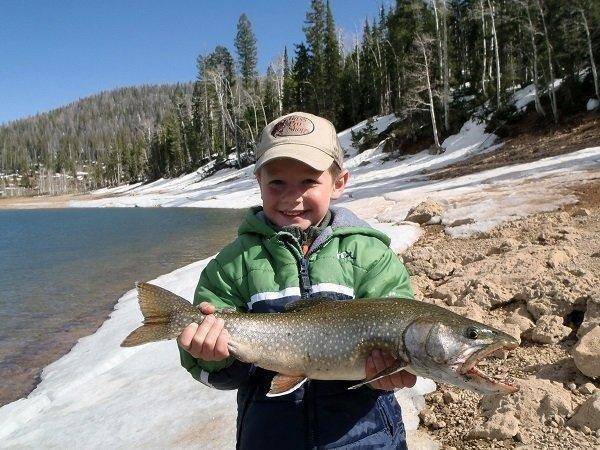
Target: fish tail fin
x=160 y=308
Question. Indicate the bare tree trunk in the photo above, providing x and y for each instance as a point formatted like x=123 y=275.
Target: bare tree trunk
x=538 y=104
x=591 y=52
x=551 y=89
x=496 y=52
x=438 y=39
x=430 y=96
x=446 y=68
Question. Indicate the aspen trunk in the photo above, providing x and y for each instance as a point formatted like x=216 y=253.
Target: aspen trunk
x=446 y=69
x=430 y=96
x=484 y=47
x=551 y=90
x=496 y=53
x=591 y=52
x=538 y=104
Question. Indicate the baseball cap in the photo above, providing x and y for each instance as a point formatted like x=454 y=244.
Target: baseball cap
x=301 y=136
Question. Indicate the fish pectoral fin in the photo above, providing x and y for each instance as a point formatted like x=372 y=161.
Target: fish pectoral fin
x=396 y=367
x=284 y=384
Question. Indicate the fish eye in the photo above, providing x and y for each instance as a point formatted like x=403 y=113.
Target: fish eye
x=472 y=333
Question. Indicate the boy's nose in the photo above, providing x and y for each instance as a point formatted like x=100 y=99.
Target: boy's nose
x=293 y=195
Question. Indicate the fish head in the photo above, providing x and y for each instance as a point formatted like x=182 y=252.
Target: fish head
x=448 y=351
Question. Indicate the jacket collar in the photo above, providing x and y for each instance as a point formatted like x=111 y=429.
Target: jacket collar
x=343 y=222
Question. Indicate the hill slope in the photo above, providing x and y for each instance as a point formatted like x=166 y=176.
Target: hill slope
x=88 y=127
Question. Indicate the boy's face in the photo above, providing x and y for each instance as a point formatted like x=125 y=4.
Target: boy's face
x=296 y=194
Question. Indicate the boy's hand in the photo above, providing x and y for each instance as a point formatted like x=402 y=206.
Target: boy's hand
x=379 y=361
x=207 y=341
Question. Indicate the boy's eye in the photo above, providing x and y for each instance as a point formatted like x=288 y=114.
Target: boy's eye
x=276 y=183
x=310 y=181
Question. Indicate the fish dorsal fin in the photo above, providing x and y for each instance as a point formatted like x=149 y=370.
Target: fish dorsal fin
x=284 y=384
x=305 y=303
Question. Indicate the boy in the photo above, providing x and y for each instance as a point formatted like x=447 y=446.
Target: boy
x=297 y=247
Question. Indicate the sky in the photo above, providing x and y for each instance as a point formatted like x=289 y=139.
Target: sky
x=55 y=52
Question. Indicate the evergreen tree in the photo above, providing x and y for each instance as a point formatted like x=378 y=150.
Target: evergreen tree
x=302 y=85
x=245 y=45
x=288 y=85
x=314 y=30
x=333 y=63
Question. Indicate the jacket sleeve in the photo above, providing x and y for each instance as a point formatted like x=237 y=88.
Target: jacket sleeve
x=387 y=277
x=216 y=287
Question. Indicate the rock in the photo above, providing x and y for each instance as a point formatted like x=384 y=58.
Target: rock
x=557 y=258
x=425 y=253
x=591 y=317
x=487 y=293
x=522 y=322
x=428 y=417
x=451 y=397
x=586 y=353
x=587 y=388
x=459 y=222
x=424 y=212
x=438 y=425
x=555 y=406
x=588 y=414
x=444 y=294
x=499 y=426
x=580 y=212
x=505 y=246
x=468 y=259
x=549 y=330
x=441 y=271
x=536 y=400
x=572 y=387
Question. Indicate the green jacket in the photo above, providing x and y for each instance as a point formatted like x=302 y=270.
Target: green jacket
x=263 y=270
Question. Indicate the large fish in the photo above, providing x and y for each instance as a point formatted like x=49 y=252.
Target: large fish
x=331 y=340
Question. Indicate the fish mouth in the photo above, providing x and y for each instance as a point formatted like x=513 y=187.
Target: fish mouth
x=473 y=374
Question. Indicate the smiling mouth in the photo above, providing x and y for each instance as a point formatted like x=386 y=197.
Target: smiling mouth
x=470 y=370
x=292 y=213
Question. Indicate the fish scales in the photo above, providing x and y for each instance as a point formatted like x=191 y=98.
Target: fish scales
x=327 y=341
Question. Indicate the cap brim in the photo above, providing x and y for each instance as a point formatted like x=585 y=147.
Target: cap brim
x=308 y=155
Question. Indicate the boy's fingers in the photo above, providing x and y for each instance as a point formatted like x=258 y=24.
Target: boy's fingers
x=396 y=380
x=207 y=308
x=370 y=369
x=208 y=346
x=221 y=349
x=380 y=365
x=200 y=335
x=186 y=336
x=408 y=379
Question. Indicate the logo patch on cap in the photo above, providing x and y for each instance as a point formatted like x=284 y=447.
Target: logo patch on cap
x=293 y=126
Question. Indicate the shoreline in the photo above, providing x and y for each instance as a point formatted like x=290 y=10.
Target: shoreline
x=43 y=201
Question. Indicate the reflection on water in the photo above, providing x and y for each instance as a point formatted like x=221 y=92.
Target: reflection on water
x=61 y=272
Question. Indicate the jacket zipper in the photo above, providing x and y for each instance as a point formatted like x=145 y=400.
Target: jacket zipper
x=304 y=278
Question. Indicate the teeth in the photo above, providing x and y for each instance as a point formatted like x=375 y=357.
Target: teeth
x=291 y=213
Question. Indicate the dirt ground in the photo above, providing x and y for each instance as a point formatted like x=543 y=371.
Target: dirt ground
x=537 y=279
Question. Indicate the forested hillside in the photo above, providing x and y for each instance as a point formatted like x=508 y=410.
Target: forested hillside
x=431 y=62
x=102 y=128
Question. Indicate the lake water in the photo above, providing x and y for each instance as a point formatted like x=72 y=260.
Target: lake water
x=62 y=271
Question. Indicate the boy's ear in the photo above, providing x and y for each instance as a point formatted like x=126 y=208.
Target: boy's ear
x=340 y=184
